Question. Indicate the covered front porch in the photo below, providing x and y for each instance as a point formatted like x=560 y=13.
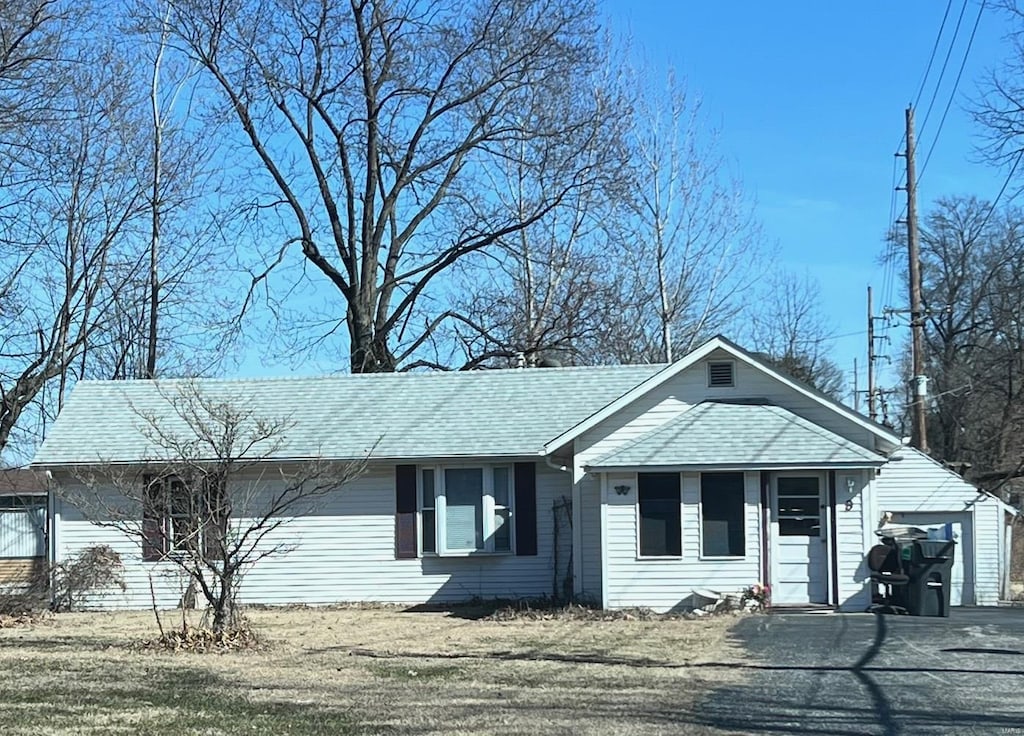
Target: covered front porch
x=732 y=494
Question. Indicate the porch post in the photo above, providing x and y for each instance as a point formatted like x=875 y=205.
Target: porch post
x=766 y=573
x=833 y=534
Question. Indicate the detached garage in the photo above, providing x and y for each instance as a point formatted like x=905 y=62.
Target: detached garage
x=918 y=491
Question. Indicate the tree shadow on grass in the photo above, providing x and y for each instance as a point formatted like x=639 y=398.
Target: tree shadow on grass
x=150 y=696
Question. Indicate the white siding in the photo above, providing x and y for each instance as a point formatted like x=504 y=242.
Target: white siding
x=689 y=388
x=590 y=537
x=854 y=591
x=915 y=483
x=667 y=584
x=345 y=551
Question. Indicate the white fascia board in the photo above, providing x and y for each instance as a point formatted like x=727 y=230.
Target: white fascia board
x=633 y=394
x=737 y=467
x=699 y=353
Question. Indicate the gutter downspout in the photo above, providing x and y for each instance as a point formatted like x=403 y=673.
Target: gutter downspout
x=577 y=541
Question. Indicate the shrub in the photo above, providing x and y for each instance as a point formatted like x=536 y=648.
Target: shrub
x=91 y=571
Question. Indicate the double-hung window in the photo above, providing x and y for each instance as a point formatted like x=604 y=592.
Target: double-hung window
x=466 y=510
x=660 y=522
x=173 y=516
x=722 y=514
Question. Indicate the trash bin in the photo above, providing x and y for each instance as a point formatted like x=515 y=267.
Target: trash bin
x=929 y=564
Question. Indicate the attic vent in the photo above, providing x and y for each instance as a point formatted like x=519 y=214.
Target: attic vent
x=720 y=374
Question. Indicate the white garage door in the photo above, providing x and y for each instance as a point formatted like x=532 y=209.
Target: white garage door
x=961 y=592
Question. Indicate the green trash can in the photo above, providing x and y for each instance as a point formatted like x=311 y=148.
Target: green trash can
x=929 y=567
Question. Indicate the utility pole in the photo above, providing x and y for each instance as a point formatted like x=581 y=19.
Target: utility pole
x=856 y=387
x=918 y=382
x=871 y=361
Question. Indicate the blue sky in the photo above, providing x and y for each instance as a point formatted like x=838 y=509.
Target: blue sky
x=810 y=98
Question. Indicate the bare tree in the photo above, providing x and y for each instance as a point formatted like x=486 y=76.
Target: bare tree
x=211 y=496
x=70 y=203
x=695 y=245
x=373 y=123
x=542 y=293
x=789 y=327
x=170 y=317
x=972 y=259
x=999 y=108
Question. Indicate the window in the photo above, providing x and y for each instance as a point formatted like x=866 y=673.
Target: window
x=466 y=509
x=721 y=510
x=799 y=502
x=22 y=526
x=720 y=374
x=502 y=510
x=428 y=518
x=659 y=509
x=173 y=517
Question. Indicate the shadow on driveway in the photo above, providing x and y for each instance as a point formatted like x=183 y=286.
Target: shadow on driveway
x=874 y=674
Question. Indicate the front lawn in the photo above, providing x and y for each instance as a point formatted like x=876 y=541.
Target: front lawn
x=364 y=671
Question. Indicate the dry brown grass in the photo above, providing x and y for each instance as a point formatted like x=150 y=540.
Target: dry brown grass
x=77 y=674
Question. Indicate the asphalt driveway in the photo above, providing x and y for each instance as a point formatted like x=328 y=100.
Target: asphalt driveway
x=877 y=674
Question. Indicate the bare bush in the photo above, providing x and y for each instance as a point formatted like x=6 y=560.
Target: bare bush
x=93 y=570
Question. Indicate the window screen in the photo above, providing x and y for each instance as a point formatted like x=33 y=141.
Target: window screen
x=721 y=504
x=660 y=528
x=464 y=508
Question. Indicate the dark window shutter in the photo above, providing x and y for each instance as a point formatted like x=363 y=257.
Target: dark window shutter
x=526 y=508
x=214 y=517
x=405 y=512
x=152 y=520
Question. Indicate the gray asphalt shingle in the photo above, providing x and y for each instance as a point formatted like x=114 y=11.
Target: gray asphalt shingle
x=398 y=415
x=733 y=434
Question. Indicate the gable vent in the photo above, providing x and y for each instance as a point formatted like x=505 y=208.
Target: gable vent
x=720 y=374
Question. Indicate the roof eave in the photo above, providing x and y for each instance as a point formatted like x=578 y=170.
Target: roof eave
x=737 y=466
x=697 y=354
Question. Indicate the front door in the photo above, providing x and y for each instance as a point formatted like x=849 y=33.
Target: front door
x=799 y=540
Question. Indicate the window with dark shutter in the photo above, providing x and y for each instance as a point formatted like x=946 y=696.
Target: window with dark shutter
x=525 y=508
x=215 y=525
x=720 y=374
x=154 y=541
x=406 y=544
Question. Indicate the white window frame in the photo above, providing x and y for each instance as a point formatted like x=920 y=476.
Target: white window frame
x=700 y=518
x=640 y=557
x=488 y=508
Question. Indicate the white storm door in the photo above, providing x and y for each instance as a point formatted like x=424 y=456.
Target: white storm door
x=799 y=540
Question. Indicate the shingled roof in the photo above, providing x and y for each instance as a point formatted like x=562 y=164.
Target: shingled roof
x=742 y=434
x=492 y=413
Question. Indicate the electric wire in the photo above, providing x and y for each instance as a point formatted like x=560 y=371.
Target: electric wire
x=942 y=72
x=1002 y=190
x=898 y=179
x=931 y=60
x=952 y=93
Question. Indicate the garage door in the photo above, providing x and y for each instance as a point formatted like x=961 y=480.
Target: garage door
x=961 y=592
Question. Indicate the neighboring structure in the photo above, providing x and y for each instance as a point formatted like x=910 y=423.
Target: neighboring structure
x=23 y=542
x=630 y=485
x=977 y=521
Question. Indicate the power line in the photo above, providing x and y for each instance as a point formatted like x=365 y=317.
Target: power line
x=942 y=72
x=931 y=59
x=952 y=93
x=1002 y=190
